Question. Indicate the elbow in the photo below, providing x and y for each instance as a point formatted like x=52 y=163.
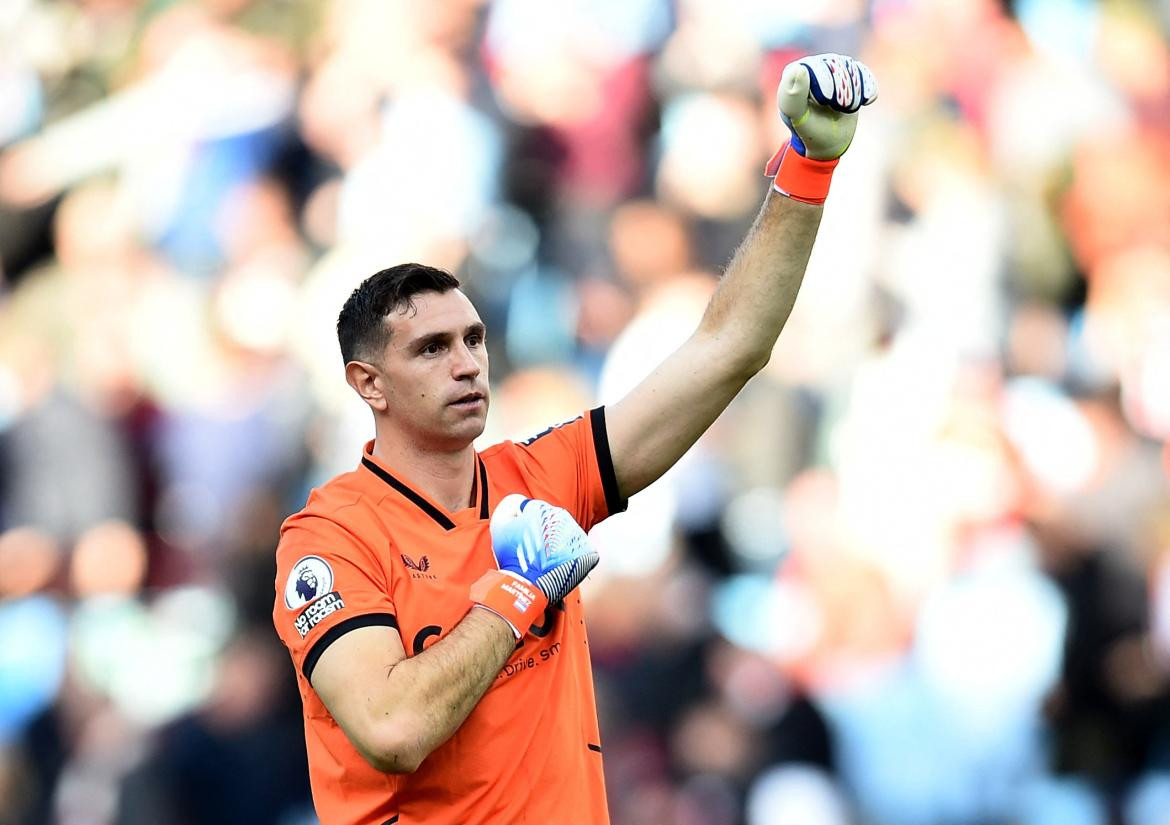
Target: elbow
x=397 y=762
x=741 y=356
x=753 y=363
x=394 y=763
x=745 y=363
x=394 y=748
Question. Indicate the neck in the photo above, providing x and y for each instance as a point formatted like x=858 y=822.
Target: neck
x=445 y=476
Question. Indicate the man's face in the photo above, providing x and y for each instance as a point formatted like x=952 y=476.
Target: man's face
x=435 y=370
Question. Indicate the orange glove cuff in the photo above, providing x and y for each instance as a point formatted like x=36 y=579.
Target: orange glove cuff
x=800 y=178
x=517 y=601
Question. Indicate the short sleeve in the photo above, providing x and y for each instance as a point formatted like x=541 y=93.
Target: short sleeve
x=573 y=459
x=328 y=582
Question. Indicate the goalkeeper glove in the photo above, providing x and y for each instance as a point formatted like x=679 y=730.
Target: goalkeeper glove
x=818 y=100
x=542 y=554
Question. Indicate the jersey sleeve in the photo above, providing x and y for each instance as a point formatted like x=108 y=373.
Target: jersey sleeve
x=574 y=462
x=328 y=582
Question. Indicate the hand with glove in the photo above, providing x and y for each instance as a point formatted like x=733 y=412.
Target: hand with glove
x=542 y=554
x=818 y=99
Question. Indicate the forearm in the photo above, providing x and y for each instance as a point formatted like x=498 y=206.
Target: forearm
x=665 y=414
x=397 y=709
x=757 y=292
x=661 y=418
x=435 y=691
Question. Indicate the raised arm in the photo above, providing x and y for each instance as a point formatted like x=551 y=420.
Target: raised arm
x=662 y=417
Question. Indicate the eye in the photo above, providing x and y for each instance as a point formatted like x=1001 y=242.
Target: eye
x=475 y=339
x=433 y=348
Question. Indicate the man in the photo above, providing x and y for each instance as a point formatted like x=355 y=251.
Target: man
x=419 y=705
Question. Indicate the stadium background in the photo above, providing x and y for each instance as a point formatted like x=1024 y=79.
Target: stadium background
x=919 y=573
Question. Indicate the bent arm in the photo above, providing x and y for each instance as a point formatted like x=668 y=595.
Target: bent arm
x=396 y=709
x=651 y=428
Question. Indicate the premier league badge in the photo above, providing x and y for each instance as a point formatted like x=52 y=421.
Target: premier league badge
x=310 y=579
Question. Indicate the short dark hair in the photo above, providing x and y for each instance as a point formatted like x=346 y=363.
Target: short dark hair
x=362 y=331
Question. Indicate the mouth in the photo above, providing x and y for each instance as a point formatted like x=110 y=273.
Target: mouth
x=470 y=401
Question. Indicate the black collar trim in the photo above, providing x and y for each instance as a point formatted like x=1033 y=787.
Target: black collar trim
x=484 y=507
x=431 y=510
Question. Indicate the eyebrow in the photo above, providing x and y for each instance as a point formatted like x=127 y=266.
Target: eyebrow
x=439 y=337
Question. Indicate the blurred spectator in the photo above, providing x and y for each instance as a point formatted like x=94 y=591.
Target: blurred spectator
x=245 y=745
x=918 y=573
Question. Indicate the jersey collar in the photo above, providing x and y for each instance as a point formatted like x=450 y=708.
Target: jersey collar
x=438 y=514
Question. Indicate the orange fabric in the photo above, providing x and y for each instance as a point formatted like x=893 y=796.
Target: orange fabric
x=363 y=551
x=800 y=178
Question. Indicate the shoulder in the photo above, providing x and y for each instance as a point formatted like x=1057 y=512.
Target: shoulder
x=342 y=511
x=551 y=437
x=549 y=464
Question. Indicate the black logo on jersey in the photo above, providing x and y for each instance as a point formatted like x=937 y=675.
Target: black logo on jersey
x=418 y=569
x=307 y=585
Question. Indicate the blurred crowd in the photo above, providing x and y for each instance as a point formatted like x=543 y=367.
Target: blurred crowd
x=918 y=574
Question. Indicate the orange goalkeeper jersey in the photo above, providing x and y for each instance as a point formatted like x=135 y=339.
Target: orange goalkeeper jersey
x=368 y=549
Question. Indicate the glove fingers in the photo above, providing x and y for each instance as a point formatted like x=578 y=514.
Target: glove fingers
x=869 y=86
x=823 y=87
x=839 y=82
x=541 y=543
x=560 y=581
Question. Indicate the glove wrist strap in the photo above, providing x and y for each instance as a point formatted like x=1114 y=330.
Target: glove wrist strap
x=516 y=600
x=800 y=178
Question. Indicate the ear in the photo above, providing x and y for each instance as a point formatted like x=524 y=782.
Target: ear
x=368 y=382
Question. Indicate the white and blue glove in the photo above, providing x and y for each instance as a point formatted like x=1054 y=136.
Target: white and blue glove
x=818 y=99
x=541 y=554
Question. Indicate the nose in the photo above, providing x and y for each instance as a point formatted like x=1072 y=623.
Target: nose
x=465 y=365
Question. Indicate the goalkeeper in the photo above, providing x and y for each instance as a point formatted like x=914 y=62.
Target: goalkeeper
x=428 y=597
